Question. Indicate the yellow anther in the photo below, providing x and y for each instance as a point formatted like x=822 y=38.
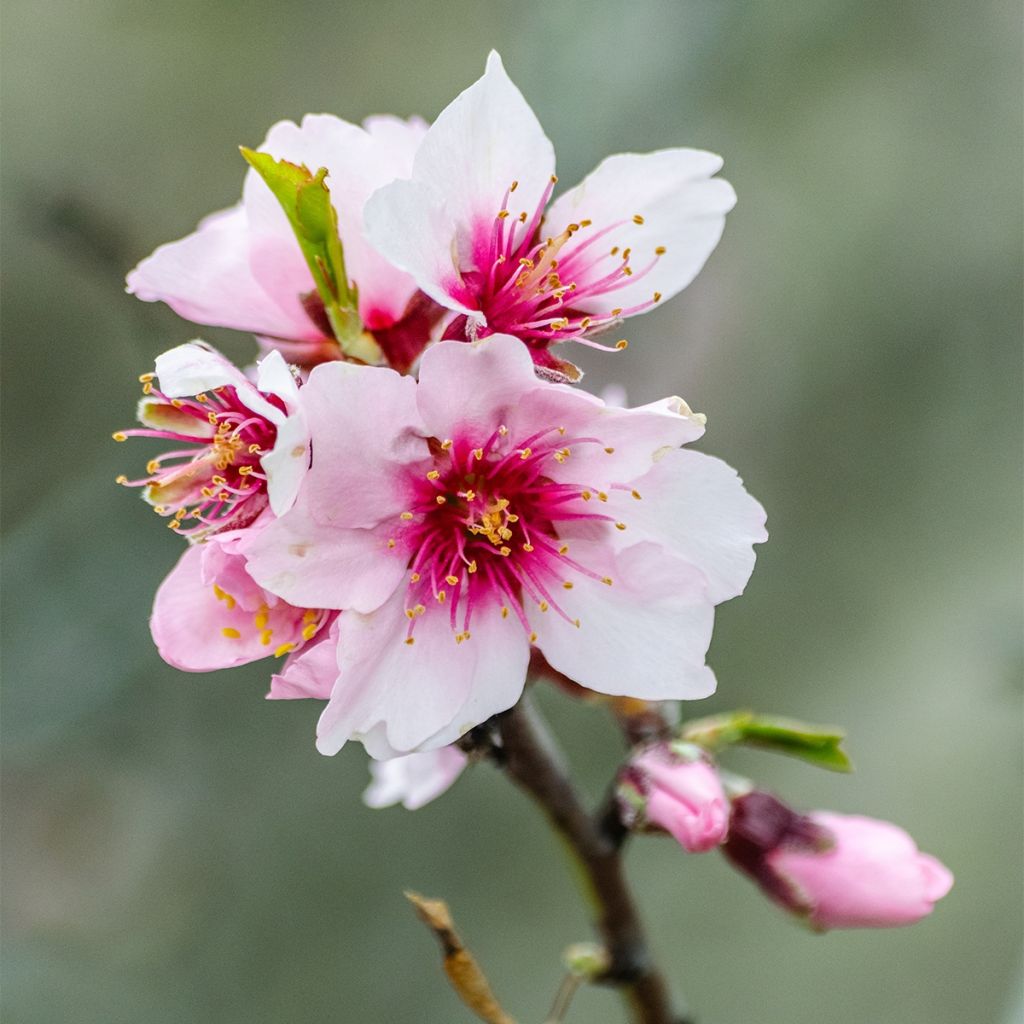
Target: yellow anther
x=525 y=453
x=543 y=606
x=522 y=217
x=502 y=430
x=433 y=474
x=504 y=612
x=212 y=418
x=620 y=526
x=621 y=344
x=567 y=585
x=409 y=613
x=391 y=542
x=637 y=219
x=145 y=378
x=533 y=638
x=177 y=403
x=160 y=510
x=472 y=566
x=446 y=444
x=410 y=640
x=606 y=580
x=585 y=223
x=254 y=449
x=527 y=547
x=310 y=615
x=502 y=214
x=512 y=518
x=576 y=623
x=617 y=311
x=120 y=479
x=660 y=251
x=406 y=516
x=265 y=635
x=586 y=495
x=564 y=549
x=218 y=481
x=442 y=596
x=601 y=496
x=152 y=466
x=262 y=617
x=554 y=179
x=173 y=524
x=119 y=435
x=636 y=494
x=282 y=649
x=223 y=595
x=441 y=499
x=657 y=296
x=308 y=632
x=451 y=580
x=181 y=513
x=504 y=552
x=469 y=495
x=419 y=609
x=628 y=271
x=478 y=453
x=414 y=578
x=513 y=186
x=615 y=250
x=201 y=397
x=626 y=254
x=230 y=632
x=244 y=470
x=147 y=388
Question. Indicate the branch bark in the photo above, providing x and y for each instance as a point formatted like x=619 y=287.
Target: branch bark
x=532 y=760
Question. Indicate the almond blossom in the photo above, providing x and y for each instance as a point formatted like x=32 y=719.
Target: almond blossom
x=465 y=518
x=242 y=268
x=247 y=443
x=474 y=227
x=210 y=614
x=415 y=779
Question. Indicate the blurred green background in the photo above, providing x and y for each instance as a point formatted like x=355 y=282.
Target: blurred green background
x=176 y=850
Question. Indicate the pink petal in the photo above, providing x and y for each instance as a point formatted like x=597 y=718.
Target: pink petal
x=311 y=671
x=644 y=636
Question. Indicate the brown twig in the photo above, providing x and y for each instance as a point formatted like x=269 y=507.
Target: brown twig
x=463 y=972
x=532 y=760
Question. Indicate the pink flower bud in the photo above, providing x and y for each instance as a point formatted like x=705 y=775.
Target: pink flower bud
x=873 y=877
x=833 y=870
x=675 y=788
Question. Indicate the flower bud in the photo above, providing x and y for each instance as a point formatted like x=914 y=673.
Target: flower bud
x=675 y=788
x=834 y=870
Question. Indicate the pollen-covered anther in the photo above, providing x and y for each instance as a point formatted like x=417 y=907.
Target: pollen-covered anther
x=636 y=494
x=282 y=649
x=230 y=632
x=433 y=474
x=621 y=344
x=620 y=526
x=607 y=580
x=441 y=499
x=543 y=606
x=452 y=581
x=406 y=516
x=119 y=435
x=637 y=219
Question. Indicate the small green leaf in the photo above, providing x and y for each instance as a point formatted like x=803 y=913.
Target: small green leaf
x=306 y=201
x=820 y=745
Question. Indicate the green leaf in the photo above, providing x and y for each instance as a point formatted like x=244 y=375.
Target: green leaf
x=820 y=745
x=306 y=201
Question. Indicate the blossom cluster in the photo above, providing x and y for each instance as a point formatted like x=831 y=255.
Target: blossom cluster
x=409 y=501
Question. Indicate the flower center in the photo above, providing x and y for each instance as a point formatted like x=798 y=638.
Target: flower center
x=531 y=285
x=212 y=483
x=485 y=528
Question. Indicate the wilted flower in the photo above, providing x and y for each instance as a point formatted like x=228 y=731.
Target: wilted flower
x=243 y=268
x=249 y=442
x=674 y=787
x=463 y=519
x=474 y=227
x=834 y=870
x=415 y=779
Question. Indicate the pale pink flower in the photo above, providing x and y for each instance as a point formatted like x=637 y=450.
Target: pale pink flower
x=461 y=519
x=243 y=268
x=675 y=788
x=210 y=614
x=247 y=443
x=415 y=779
x=834 y=870
x=475 y=229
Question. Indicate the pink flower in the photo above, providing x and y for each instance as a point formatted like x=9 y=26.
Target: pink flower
x=461 y=519
x=242 y=267
x=415 y=779
x=210 y=614
x=874 y=876
x=834 y=870
x=248 y=444
x=675 y=788
x=474 y=228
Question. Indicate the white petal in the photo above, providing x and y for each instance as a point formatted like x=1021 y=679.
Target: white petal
x=682 y=208
x=274 y=378
x=415 y=779
x=644 y=636
x=695 y=506
x=418 y=689
x=287 y=463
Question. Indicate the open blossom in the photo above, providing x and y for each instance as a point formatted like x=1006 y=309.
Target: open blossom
x=243 y=268
x=677 y=789
x=474 y=226
x=415 y=779
x=210 y=614
x=834 y=870
x=247 y=443
x=462 y=519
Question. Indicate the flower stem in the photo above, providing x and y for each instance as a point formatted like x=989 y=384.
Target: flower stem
x=532 y=760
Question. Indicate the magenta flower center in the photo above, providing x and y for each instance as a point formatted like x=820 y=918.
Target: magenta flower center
x=531 y=285
x=213 y=482
x=485 y=527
